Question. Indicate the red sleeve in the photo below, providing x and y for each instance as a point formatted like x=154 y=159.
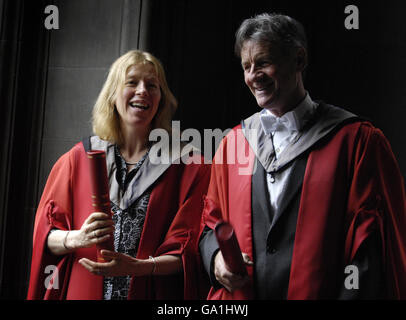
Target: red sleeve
x=54 y=211
x=182 y=236
x=216 y=201
x=229 y=199
x=377 y=201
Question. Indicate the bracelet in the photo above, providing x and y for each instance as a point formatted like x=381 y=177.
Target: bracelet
x=64 y=241
x=154 y=261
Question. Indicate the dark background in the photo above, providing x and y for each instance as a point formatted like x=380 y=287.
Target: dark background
x=50 y=79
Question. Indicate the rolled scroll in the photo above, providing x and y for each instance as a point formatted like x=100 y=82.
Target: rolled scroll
x=100 y=192
x=230 y=248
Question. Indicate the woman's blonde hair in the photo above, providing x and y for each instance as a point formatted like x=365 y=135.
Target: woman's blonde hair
x=105 y=118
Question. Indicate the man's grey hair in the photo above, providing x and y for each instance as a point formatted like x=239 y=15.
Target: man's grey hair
x=273 y=28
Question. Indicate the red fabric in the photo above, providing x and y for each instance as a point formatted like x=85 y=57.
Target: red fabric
x=171 y=227
x=352 y=186
x=229 y=199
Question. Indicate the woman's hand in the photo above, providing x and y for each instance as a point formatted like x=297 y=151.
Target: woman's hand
x=97 y=228
x=119 y=265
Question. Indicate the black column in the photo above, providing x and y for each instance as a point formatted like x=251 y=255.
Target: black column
x=23 y=60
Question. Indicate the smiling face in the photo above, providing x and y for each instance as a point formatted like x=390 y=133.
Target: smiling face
x=273 y=77
x=138 y=99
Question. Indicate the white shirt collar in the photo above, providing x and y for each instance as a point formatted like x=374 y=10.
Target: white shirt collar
x=293 y=120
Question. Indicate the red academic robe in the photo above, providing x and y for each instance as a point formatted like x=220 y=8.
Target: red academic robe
x=171 y=227
x=352 y=186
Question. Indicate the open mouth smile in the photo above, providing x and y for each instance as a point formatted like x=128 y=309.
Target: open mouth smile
x=263 y=87
x=142 y=106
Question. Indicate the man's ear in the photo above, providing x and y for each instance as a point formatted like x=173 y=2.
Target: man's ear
x=301 y=59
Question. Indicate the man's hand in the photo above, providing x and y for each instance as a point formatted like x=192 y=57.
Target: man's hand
x=230 y=281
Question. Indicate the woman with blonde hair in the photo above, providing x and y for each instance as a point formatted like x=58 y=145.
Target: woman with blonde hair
x=155 y=207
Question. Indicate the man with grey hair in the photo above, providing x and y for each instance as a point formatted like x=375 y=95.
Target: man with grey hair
x=323 y=215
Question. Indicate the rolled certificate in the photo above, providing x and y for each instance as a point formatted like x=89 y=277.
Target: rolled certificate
x=100 y=192
x=230 y=248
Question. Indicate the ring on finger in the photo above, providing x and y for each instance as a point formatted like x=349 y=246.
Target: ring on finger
x=94 y=234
